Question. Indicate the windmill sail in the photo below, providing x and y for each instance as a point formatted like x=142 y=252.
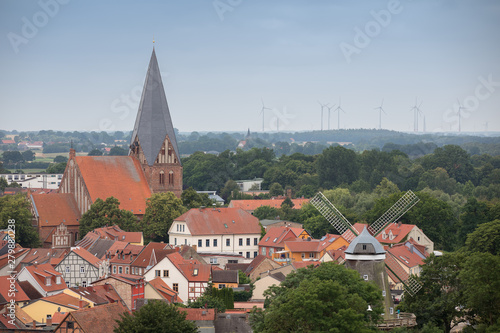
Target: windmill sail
x=332 y=215
x=411 y=285
x=407 y=201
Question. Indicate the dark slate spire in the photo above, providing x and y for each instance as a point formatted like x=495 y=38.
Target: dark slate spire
x=153 y=120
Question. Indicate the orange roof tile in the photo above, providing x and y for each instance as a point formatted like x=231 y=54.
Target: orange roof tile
x=254 y=204
x=114 y=232
x=65 y=300
x=165 y=291
x=115 y=176
x=144 y=257
x=4 y=259
x=199 y=314
x=41 y=272
x=304 y=264
x=303 y=246
x=102 y=318
x=187 y=268
x=275 y=236
x=400 y=231
x=405 y=256
x=86 y=255
x=55 y=208
x=19 y=295
x=218 y=221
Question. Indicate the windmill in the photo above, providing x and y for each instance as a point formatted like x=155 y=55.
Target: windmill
x=416 y=112
x=459 y=112
x=380 y=110
x=322 y=108
x=349 y=233
x=329 y=109
x=338 y=109
x=262 y=111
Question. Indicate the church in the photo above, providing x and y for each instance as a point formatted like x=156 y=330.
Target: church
x=153 y=165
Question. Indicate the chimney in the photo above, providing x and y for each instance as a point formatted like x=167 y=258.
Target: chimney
x=34 y=324
x=80 y=303
x=49 y=320
x=72 y=153
x=399 y=224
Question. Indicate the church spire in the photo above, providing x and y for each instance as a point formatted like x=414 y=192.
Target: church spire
x=153 y=123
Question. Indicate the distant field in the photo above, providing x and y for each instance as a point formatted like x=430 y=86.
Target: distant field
x=28 y=170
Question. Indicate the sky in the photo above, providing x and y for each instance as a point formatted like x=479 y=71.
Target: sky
x=80 y=65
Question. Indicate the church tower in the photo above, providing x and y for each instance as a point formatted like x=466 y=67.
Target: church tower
x=153 y=140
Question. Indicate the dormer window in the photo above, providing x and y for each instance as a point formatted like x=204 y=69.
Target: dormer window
x=58 y=280
x=48 y=282
x=195 y=272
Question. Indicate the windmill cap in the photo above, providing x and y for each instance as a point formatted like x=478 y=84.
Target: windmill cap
x=371 y=245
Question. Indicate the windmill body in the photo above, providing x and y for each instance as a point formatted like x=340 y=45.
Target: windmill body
x=366 y=255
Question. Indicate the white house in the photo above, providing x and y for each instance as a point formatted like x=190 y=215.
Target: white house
x=221 y=230
x=188 y=278
x=48 y=181
x=80 y=268
x=43 y=278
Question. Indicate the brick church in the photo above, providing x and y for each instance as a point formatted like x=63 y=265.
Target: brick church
x=152 y=166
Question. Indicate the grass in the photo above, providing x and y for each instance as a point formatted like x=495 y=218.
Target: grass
x=28 y=170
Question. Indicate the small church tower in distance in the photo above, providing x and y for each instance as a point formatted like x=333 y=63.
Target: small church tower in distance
x=153 y=140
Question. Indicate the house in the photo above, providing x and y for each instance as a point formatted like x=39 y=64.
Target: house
x=10 y=290
x=17 y=255
x=396 y=233
x=148 y=258
x=258 y=265
x=251 y=205
x=80 y=268
x=22 y=319
x=49 y=211
x=274 y=240
x=279 y=223
x=99 y=319
x=309 y=249
x=38 y=256
x=153 y=164
x=86 y=294
x=188 y=278
x=157 y=289
x=334 y=255
x=44 y=308
x=225 y=279
x=129 y=287
x=404 y=259
x=230 y=230
x=217 y=259
x=121 y=259
x=262 y=284
x=203 y=318
x=251 y=184
x=117 y=234
x=44 y=278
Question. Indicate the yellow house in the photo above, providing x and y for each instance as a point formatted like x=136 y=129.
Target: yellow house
x=225 y=279
x=47 y=306
x=308 y=249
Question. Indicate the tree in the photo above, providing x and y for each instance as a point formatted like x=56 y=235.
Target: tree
x=441 y=294
x=118 y=151
x=156 y=316
x=276 y=190
x=95 y=152
x=230 y=189
x=107 y=213
x=474 y=213
x=56 y=167
x=3 y=184
x=28 y=155
x=328 y=298
x=16 y=209
x=12 y=157
x=192 y=199
x=266 y=213
x=60 y=159
x=161 y=210
x=486 y=238
x=210 y=299
x=480 y=278
x=336 y=166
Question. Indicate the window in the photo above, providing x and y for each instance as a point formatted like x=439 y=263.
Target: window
x=114 y=269
x=171 y=178
x=126 y=270
x=248 y=254
x=165 y=273
x=82 y=269
x=207 y=242
x=271 y=251
x=365 y=277
x=157 y=272
x=241 y=253
x=263 y=251
x=183 y=229
x=241 y=241
x=200 y=242
x=311 y=254
x=195 y=271
x=67 y=269
x=58 y=280
x=232 y=261
x=364 y=246
x=255 y=254
x=228 y=242
x=222 y=285
x=175 y=286
x=175 y=241
x=120 y=270
x=162 y=178
x=255 y=241
x=84 y=284
x=248 y=241
x=213 y=260
x=215 y=242
x=303 y=255
x=177 y=227
x=418 y=238
x=48 y=282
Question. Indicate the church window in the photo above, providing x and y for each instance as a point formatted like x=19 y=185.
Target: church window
x=171 y=178
x=162 y=178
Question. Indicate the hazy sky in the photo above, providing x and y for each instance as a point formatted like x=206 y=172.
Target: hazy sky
x=80 y=65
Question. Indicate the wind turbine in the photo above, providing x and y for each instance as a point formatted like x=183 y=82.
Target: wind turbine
x=329 y=109
x=380 y=110
x=322 y=108
x=416 y=111
x=459 y=112
x=486 y=126
x=262 y=111
x=338 y=109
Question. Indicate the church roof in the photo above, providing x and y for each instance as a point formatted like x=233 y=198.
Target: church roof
x=365 y=238
x=153 y=122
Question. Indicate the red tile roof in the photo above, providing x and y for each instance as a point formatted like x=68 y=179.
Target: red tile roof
x=187 y=268
x=276 y=203
x=400 y=231
x=102 y=318
x=304 y=264
x=145 y=256
x=56 y=208
x=114 y=232
x=40 y=256
x=108 y=292
x=199 y=314
x=405 y=256
x=5 y=290
x=43 y=271
x=127 y=278
x=219 y=221
x=277 y=235
x=86 y=255
x=165 y=291
x=115 y=176
x=18 y=252
x=65 y=300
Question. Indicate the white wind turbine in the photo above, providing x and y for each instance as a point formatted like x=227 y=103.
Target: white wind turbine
x=322 y=108
x=380 y=110
x=262 y=112
x=338 y=109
